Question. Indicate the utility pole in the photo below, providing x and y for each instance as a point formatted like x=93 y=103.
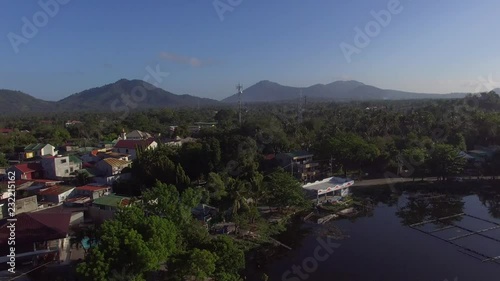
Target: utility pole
x=239 y=87
x=299 y=109
x=331 y=165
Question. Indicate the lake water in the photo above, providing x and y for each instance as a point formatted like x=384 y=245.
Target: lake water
x=382 y=246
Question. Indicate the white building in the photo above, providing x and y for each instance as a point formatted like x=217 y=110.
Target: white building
x=130 y=146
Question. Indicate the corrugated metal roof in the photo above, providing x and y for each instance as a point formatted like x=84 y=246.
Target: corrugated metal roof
x=113 y=162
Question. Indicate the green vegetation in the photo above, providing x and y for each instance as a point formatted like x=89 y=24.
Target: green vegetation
x=225 y=167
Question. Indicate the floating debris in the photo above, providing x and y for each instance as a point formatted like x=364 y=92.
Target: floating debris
x=332 y=231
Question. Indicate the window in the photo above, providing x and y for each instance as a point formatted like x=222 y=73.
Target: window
x=71 y=169
x=126 y=150
x=63 y=161
x=66 y=171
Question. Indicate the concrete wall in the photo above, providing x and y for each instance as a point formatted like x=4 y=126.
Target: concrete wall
x=48 y=150
x=129 y=151
x=56 y=167
x=25 y=205
x=76 y=218
x=58 y=198
x=99 y=216
x=111 y=179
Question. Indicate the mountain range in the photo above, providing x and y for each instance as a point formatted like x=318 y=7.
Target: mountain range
x=267 y=91
x=114 y=96
x=134 y=94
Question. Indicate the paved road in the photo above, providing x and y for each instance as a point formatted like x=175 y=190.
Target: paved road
x=387 y=181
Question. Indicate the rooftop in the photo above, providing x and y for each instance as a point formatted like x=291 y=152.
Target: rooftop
x=56 y=190
x=332 y=182
x=113 y=162
x=132 y=144
x=35 y=146
x=91 y=188
x=28 y=167
x=36 y=227
x=112 y=200
x=298 y=154
x=74 y=159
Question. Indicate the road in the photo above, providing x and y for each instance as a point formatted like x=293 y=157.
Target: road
x=388 y=181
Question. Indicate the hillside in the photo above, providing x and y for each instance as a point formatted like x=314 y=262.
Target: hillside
x=13 y=102
x=267 y=91
x=109 y=96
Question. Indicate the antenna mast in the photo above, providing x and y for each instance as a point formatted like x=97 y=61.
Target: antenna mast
x=239 y=87
x=299 y=108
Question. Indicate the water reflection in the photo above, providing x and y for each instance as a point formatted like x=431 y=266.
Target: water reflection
x=421 y=207
x=491 y=200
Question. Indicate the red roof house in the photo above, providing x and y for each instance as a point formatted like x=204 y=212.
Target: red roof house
x=33 y=229
x=27 y=171
x=129 y=146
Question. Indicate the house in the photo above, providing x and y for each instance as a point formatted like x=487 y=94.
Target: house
x=23 y=205
x=5 y=131
x=336 y=187
x=110 y=170
x=205 y=124
x=300 y=163
x=204 y=213
x=69 y=147
x=111 y=154
x=111 y=166
x=38 y=234
x=83 y=195
x=92 y=191
x=104 y=208
x=178 y=141
x=60 y=167
x=55 y=194
x=72 y=123
x=27 y=171
x=130 y=146
x=106 y=144
x=38 y=149
x=137 y=135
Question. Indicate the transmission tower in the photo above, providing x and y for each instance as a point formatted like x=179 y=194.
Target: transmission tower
x=239 y=88
x=299 y=109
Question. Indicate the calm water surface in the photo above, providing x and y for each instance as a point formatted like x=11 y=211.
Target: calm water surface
x=381 y=245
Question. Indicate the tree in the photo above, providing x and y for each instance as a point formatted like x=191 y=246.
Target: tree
x=3 y=160
x=349 y=150
x=198 y=264
x=191 y=157
x=445 y=161
x=132 y=240
x=230 y=258
x=458 y=141
x=414 y=161
x=158 y=164
x=164 y=200
x=284 y=190
x=216 y=187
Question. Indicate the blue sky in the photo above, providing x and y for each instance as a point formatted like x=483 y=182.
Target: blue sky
x=437 y=46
